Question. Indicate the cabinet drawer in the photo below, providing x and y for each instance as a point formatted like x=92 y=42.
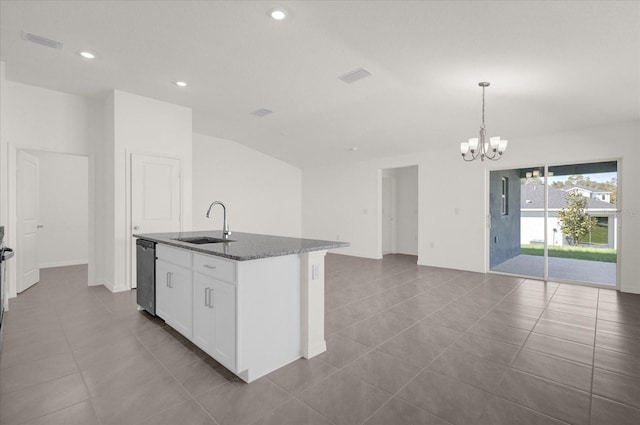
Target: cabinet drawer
x=177 y=256
x=215 y=267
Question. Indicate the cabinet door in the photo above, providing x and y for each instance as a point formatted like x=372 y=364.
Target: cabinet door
x=175 y=297
x=163 y=295
x=182 y=287
x=223 y=301
x=203 y=316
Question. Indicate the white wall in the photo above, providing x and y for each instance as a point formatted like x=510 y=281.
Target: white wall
x=344 y=199
x=4 y=187
x=46 y=120
x=262 y=194
x=64 y=209
x=342 y=202
x=407 y=209
x=137 y=124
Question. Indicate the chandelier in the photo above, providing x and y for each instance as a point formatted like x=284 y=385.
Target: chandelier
x=478 y=147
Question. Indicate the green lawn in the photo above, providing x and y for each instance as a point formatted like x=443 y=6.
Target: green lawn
x=600 y=234
x=607 y=255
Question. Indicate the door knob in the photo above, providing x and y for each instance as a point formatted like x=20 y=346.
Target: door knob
x=136 y=227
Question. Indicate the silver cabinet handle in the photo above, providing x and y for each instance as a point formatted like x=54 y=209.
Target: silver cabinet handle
x=206 y=296
x=209 y=266
x=210 y=302
x=169 y=282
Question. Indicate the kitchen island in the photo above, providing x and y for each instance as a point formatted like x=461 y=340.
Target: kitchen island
x=254 y=302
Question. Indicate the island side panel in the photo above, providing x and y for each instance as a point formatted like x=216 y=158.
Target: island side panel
x=268 y=315
x=312 y=303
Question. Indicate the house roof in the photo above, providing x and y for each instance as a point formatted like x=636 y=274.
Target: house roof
x=589 y=189
x=532 y=197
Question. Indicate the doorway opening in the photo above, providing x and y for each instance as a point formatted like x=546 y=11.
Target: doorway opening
x=399 y=211
x=52 y=213
x=556 y=222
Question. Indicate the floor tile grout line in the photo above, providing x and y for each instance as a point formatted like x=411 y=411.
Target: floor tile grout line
x=293 y=396
x=522 y=347
x=75 y=359
x=433 y=360
x=371 y=349
x=498 y=395
x=593 y=359
x=408 y=299
x=385 y=290
x=182 y=385
x=132 y=332
x=507 y=367
x=296 y=397
x=116 y=312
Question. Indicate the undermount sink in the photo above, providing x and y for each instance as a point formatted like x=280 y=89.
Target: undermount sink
x=201 y=240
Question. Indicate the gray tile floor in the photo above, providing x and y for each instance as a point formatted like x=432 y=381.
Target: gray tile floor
x=406 y=345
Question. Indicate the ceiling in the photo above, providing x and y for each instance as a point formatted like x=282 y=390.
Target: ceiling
x=553 y=66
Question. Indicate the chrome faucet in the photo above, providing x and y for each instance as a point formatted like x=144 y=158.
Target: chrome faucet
x=225 y=227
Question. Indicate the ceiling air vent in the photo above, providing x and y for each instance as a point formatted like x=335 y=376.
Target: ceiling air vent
x=43 y=41
x=262 y=112
x=353 y=76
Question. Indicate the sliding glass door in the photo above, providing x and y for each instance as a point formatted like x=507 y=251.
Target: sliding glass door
x=555 y=222
x=517 y=233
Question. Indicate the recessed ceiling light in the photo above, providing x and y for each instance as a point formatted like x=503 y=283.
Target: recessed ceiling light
x=354 y=149
x=87 y=55
x=181 y=84
x=278 y=14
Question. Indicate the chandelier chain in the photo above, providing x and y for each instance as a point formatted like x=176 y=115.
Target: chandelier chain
x=483 y=106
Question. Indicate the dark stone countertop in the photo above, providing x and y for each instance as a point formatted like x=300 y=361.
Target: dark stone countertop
x=246 y=246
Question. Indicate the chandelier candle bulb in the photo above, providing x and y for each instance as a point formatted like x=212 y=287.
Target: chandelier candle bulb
x=473 y=144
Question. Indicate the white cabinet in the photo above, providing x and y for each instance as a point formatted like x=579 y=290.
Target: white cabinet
x=174 y=290
x=214 y=319
x=246 y=315
x=202 y=314
x=193 y=298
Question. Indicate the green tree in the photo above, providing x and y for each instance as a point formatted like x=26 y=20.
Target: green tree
x=575 y=223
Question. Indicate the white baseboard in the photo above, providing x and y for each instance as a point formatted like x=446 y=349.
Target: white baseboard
x=62 y=263
x=99 y=282
x=110 y=286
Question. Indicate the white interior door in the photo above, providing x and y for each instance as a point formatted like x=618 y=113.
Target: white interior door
x=155 y=198
x=28 y=191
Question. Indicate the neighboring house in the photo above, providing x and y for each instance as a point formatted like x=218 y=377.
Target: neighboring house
x=590 y=192
x=532 y=213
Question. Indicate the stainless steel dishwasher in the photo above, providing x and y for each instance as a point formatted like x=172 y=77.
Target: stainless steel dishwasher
x=146 y=275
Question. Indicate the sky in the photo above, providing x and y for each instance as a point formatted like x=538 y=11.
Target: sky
x=598 y=177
